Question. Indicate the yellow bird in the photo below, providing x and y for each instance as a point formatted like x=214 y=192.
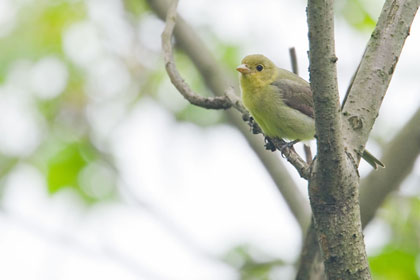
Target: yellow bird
x=280 y=101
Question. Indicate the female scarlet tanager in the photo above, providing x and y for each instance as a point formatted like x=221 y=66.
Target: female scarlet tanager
x=280 y=101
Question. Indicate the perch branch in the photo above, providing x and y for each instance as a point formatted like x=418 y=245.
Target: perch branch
x=218 y=102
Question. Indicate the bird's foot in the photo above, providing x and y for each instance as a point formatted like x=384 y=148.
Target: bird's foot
x=288 y=145
x=269 y=145
x=254 y=126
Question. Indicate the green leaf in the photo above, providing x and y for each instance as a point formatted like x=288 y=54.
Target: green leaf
x=394 y=263
x=252 y=263
x=66 y=164
x=356 y=14
x=39 y=31
x=135 y=7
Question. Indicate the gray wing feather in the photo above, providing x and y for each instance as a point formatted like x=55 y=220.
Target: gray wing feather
x=296 y=95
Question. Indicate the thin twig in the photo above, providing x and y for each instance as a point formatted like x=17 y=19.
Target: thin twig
x=293 y=60
x=308 y=153
x=219 y=102
x=290 y=154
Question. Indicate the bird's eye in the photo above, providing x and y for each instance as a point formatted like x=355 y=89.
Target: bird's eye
x=260 y=67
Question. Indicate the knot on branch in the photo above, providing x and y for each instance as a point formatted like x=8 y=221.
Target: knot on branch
x=356 y=122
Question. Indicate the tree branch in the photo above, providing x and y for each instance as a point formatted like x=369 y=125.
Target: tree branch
x=293 y=60
x=333 y=186
x=382 y=52
x=375 y=71
x=308 y=256
x=219 y=102
x=399 y=157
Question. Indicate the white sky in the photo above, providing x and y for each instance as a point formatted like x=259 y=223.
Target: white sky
x=217 y=196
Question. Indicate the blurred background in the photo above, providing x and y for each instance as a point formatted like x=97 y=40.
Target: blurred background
x=106 y=172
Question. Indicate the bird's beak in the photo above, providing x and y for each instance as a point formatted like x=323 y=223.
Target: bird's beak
x=243 y=68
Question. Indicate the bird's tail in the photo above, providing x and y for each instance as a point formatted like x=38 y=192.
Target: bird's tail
x=372 y=160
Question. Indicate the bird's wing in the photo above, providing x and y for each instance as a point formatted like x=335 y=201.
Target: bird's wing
x=296 y=95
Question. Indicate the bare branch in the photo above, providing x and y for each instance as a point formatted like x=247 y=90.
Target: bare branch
x=293 y=60
x=290 y=154
x=308 y=153
x=219 y=102
x=375 y=71
x=400 y=156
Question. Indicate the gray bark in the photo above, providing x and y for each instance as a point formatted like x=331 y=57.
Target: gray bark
x=333 y=185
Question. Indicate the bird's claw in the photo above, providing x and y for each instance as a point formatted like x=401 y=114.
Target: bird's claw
x=288 y=145
x=254 y=126
x=269 y=145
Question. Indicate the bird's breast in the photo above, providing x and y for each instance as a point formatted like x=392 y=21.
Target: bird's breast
x=275 y=118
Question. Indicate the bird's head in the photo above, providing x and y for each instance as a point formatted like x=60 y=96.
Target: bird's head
x=257 y=69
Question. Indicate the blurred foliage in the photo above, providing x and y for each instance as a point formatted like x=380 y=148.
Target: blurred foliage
x=135 y=7
x=67 y=166
x=38 y=32
x=393 y=263
x=6 y=164
x=356 y=13
x=400 y=258
x=252 y=263
x=68 y=149
x=229 y=55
